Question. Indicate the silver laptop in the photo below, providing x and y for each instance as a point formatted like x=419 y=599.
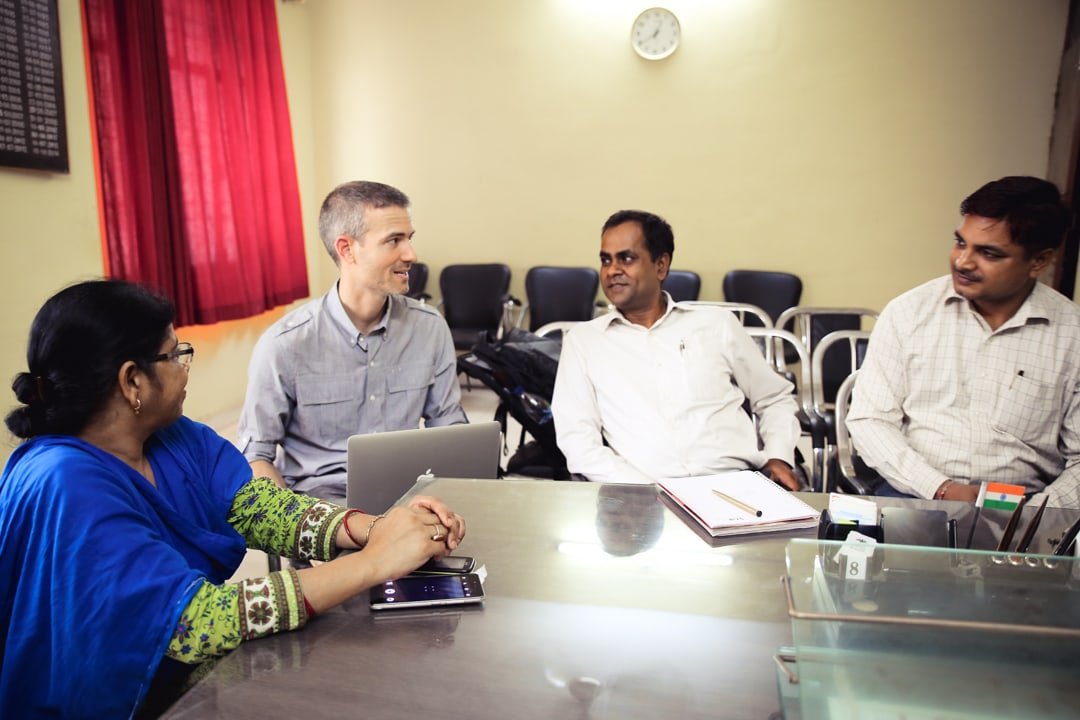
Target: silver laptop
x=383 y=466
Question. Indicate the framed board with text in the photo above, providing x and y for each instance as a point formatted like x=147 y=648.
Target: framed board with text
x=33 y=132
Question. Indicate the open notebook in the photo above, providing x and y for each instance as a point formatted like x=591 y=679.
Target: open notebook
x=749 y=490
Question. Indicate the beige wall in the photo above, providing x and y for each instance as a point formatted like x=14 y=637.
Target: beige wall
x=50 y=222
x=833 y=138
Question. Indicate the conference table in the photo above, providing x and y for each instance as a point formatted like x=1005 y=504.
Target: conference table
x=602 y=601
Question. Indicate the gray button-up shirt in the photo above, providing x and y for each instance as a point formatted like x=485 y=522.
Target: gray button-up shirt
x=314 y=380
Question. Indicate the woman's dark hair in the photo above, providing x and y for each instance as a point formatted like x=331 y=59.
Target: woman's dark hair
x=79 y=339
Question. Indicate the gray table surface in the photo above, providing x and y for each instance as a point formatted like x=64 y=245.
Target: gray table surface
x=603 y=601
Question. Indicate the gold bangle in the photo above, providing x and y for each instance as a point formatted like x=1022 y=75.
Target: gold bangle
x=367 y=535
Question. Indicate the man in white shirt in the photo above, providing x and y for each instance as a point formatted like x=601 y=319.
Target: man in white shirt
x=655 y=388
x=976 y=376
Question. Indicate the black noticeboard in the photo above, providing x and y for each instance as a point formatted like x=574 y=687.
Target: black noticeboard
x=33 y=133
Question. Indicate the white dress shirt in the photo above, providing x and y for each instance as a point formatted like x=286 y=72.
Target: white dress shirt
x=668 y=399
x=942 y=397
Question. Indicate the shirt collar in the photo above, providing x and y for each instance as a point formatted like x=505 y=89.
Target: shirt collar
x=616 y=314
x=1034 y=307
x=341 y=318
x=1037 y=304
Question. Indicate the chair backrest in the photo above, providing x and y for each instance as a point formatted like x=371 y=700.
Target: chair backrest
x=682 y=285
x=774 y=292
x=834 y=359
x=560 y=293
x=557 y=328
x=474 y=300
x=418 y=275
x=777 y=344
x=811 y=324
x=749 y=315
x=844 y=448
x=855 y=475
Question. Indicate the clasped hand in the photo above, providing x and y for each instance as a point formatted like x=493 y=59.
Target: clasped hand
x=409 y=535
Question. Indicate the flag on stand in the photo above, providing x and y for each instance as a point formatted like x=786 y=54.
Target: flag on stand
x=1000 y=496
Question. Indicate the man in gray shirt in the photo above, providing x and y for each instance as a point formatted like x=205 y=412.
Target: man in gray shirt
x=363 y=358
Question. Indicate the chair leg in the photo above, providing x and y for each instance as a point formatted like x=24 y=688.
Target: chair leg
x=819 y=469
x=468 y=380
x=832 y=471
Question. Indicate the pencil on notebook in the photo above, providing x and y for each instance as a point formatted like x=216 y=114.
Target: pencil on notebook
x=738 y=503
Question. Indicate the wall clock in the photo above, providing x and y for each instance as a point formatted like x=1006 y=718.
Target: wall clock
x=655 y=34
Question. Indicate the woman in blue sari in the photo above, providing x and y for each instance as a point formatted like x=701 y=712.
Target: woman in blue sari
x=120 y=520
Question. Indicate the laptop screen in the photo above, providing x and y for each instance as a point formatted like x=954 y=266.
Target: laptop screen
x=384 y=466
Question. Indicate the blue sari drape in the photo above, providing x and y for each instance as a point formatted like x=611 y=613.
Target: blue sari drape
x=96 y=564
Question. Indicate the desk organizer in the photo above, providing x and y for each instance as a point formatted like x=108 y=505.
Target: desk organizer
x=929 y=633
x=829 y=529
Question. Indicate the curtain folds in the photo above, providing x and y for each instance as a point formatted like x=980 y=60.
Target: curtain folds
x=198 y=178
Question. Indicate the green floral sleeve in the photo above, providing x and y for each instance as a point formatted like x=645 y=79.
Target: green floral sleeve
x=220 y=617
x=282 y=522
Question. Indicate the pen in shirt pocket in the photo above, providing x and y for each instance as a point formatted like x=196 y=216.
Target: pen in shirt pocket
x=1019 y=374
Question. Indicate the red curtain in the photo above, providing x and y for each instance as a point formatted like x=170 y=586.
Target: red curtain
x=197 y=173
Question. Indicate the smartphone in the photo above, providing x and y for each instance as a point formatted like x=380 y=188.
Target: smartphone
x=427 y=591
x=448 y=564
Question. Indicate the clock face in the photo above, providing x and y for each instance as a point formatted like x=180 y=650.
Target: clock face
x=655 y=34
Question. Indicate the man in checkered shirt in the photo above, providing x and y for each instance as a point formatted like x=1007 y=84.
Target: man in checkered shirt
x=975 y=376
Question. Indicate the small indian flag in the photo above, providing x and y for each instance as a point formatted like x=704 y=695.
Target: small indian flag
x=1000 y=496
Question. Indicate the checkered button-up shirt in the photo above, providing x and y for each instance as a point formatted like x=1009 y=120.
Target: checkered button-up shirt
x=942 y=397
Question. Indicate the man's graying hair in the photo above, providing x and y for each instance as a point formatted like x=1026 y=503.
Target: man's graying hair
x=343 y=209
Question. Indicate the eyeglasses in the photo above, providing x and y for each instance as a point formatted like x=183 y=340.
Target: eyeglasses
x=183 y=353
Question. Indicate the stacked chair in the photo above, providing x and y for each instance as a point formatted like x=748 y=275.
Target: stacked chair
x=836 y=342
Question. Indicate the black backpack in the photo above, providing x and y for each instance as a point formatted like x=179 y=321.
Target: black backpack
x=520 y=367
